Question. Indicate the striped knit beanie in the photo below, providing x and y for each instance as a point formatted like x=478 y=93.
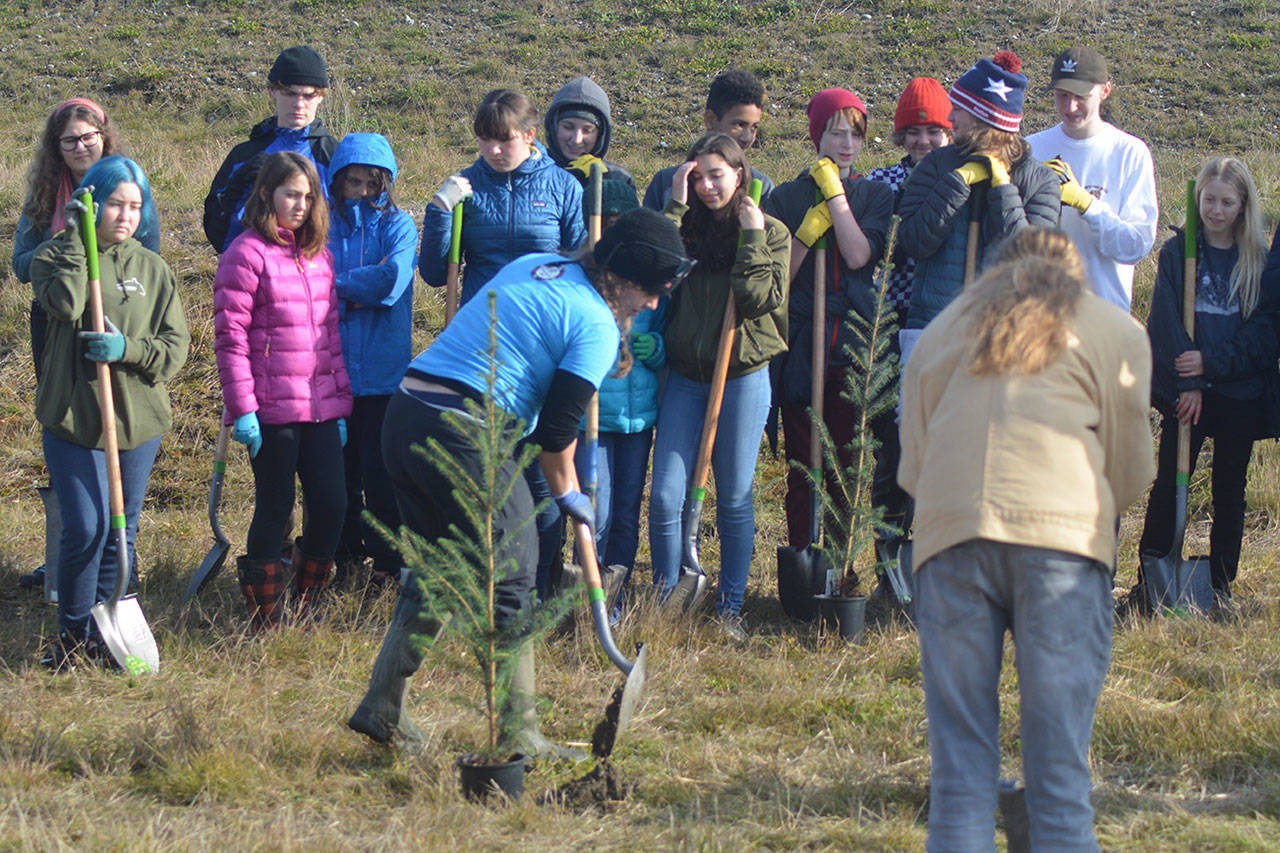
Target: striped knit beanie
x=992 y=91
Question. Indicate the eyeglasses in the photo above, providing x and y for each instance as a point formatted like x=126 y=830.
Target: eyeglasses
x=88 y=140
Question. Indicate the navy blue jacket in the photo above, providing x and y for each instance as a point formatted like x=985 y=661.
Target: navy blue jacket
x=536 y=207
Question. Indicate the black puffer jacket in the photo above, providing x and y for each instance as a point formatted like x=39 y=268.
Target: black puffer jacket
x=1250 y=352
x=935 y=223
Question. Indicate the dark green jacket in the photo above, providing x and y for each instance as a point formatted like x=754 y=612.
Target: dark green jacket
x=140 y=296
x=759 y=282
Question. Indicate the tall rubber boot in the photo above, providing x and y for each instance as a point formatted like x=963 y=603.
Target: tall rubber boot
x=522 y=713
x=310 y=579
x=262 y=582
x=382 y=714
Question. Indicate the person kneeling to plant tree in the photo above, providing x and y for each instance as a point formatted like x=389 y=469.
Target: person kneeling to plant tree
x=539 y=339
x=1024 y=435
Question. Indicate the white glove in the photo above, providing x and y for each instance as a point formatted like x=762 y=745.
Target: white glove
x=454 y=189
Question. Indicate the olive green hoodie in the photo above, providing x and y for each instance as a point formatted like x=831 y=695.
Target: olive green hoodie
x=140 y=296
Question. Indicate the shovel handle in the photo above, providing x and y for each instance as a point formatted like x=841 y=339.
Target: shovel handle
x=454 y=262
x=977 y=207
x=595 y=204
x=595 y=595
x=106 y=400
x=1188 y=317
x=219 y=473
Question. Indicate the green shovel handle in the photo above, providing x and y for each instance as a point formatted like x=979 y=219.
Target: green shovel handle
x=88 y=231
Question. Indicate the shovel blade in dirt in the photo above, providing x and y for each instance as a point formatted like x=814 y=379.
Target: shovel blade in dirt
x=1174 y=582
x=217 y=555
x=895 y=559
x=802 y=574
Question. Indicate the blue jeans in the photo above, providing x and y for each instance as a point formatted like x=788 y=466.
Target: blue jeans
x=1059 y=608
x=87 y=561
x=742 y=417
x=622 y=465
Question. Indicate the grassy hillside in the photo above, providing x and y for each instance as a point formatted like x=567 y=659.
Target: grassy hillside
x=789 y=742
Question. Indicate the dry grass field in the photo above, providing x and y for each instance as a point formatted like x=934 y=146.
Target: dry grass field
x=791 y=741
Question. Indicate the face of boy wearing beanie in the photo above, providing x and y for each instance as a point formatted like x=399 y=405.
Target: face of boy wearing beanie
x=297 y=84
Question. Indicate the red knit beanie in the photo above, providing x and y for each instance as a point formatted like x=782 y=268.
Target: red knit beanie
x=827 y=103
x=923 y=103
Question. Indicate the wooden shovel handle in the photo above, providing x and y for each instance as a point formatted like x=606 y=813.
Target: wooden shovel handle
x=1188 y=313
x=719 y=375
x=818 y=378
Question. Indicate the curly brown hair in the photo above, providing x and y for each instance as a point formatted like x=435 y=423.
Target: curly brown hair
x=1019 y=312
x=48 y=167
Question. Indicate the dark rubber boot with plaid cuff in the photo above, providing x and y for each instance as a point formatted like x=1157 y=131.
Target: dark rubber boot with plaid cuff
x=310 y=579
x=262 y=582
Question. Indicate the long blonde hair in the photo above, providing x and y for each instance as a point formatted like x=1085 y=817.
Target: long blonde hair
x=1020 y=308
x=1251 y=239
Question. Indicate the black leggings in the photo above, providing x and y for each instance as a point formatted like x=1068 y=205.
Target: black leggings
x=314 y=453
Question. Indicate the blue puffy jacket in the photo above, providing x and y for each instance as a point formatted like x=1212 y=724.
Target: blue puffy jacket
x=629 y=404
x=373 y=259
x=536 y=207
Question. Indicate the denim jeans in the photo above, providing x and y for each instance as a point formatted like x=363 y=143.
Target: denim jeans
x=87 y=561
x=1059 y=608
x=622 y=465
x=733 y=461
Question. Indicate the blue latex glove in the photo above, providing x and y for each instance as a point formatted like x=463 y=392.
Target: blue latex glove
x=105 y=346
x=342 y=431
x=577 y=507
x=643 y=345
x=247 y=432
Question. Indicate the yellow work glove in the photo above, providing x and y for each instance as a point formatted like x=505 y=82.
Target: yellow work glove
x=1073 y=194
x=816 y=223
x=583 y=164
x=827 y=177
x=973 y=172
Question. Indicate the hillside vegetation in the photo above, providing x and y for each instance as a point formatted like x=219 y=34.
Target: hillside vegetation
x=789 y=742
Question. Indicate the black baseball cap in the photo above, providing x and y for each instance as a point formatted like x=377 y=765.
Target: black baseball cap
x=1078 y=69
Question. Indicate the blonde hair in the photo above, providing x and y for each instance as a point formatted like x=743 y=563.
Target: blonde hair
x=1011 y=148
x=1019 y=314
x=1251 y=239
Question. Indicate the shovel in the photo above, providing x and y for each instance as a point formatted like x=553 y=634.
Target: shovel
x=120 y=621
x=802 y=573
x=217 y=555
x=455 y=260
x=977 y=207
x=1171 y=581
x=692 y=583
x=625 y=699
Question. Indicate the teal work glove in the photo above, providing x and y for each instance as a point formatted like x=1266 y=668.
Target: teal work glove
x=247 y=432
x=105 y=346
x=643 y=345
x=342 y=431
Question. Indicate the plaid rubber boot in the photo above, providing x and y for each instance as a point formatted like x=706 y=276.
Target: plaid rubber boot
x=310 y=579
x=262 y=583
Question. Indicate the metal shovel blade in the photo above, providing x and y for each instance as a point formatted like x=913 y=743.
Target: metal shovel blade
x=802 y=574
x=125 y=631
x=895 y=558
x=1173 y=582
x=208 y=570
x=621 y=707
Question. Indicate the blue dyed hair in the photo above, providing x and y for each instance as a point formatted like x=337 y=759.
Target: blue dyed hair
x=107 y=174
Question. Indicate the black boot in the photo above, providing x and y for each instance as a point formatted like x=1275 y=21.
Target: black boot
x=382 y=714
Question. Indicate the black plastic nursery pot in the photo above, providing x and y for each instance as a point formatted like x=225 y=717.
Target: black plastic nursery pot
x=480 y=779
x=845 y=615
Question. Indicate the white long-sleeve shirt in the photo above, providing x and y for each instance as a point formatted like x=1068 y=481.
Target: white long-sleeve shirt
x=1119 y=228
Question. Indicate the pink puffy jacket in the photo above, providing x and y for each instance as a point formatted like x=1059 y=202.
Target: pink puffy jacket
x=275 y=317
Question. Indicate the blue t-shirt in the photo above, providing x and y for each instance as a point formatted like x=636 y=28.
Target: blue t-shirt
x=549 y=318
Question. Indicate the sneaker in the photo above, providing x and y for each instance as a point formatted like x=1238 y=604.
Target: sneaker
x=730 y=624
x=32 y=580
x=61 y=654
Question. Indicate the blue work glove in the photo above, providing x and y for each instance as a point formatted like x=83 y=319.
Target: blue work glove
x=342 y=431
x=577 y=507
x=105 y=346
x=247 y=432
x=643 y=345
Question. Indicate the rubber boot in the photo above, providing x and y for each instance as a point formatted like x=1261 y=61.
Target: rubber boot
x=310 y=579
x=262 y=582
x=521 y=712
x=383 y=715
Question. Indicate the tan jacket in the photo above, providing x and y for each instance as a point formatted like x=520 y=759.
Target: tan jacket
x=1048 y=459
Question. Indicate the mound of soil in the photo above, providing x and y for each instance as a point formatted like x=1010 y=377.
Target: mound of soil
x=605 y=784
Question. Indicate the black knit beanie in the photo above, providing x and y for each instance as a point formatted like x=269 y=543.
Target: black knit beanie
x=644 y=247
x=299 y=66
